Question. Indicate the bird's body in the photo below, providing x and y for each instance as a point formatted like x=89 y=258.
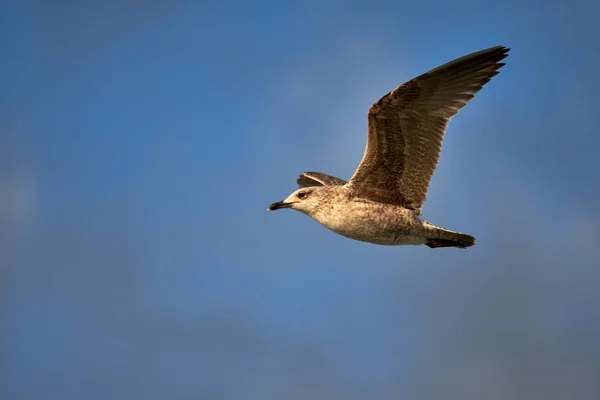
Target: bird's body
x=379 y=223
x=382 y=202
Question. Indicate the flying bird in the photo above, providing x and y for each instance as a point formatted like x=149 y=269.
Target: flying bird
x=382 y=201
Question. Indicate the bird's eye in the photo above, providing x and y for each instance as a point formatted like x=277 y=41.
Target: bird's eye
x=301 y=195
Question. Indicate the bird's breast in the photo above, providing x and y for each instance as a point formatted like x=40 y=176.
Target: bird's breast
x=368 y=221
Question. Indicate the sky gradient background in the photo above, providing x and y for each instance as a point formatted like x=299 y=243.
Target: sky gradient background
x=141 y=142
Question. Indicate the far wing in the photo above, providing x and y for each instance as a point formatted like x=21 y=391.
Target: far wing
x=318 y=179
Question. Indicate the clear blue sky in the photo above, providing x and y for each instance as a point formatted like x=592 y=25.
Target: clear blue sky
x=140 y=145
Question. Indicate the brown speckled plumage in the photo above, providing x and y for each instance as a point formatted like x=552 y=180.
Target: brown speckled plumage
x=382 y=201
x=407 y=126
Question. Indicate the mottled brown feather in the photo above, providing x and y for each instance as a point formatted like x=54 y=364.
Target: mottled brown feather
x=407 y=126
x=318 y=179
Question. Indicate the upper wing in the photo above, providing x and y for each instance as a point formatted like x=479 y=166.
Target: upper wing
x=318 y=179
x=406 y=128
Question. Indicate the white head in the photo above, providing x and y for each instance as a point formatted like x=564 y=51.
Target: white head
x=306 y=200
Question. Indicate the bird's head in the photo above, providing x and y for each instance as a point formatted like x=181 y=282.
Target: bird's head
x=306 y=200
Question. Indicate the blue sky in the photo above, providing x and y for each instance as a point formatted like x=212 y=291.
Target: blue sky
x=141 y=144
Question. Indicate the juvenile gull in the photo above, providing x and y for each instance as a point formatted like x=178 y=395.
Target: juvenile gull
x=382 y=202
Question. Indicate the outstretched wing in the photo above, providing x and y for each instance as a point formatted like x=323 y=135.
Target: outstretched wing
x=407 y=126
x=318 y=179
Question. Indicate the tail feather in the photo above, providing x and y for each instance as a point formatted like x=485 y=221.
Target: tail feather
x=460 y=240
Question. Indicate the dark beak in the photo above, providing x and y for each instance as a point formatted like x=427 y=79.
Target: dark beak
x=278 y=205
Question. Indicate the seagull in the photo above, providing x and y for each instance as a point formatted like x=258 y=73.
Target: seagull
x=382 y=202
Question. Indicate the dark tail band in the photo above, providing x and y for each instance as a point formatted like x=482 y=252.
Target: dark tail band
x=462 y=242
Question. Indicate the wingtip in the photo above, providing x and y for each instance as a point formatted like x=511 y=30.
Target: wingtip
x=499 y=50
x=504 y=49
